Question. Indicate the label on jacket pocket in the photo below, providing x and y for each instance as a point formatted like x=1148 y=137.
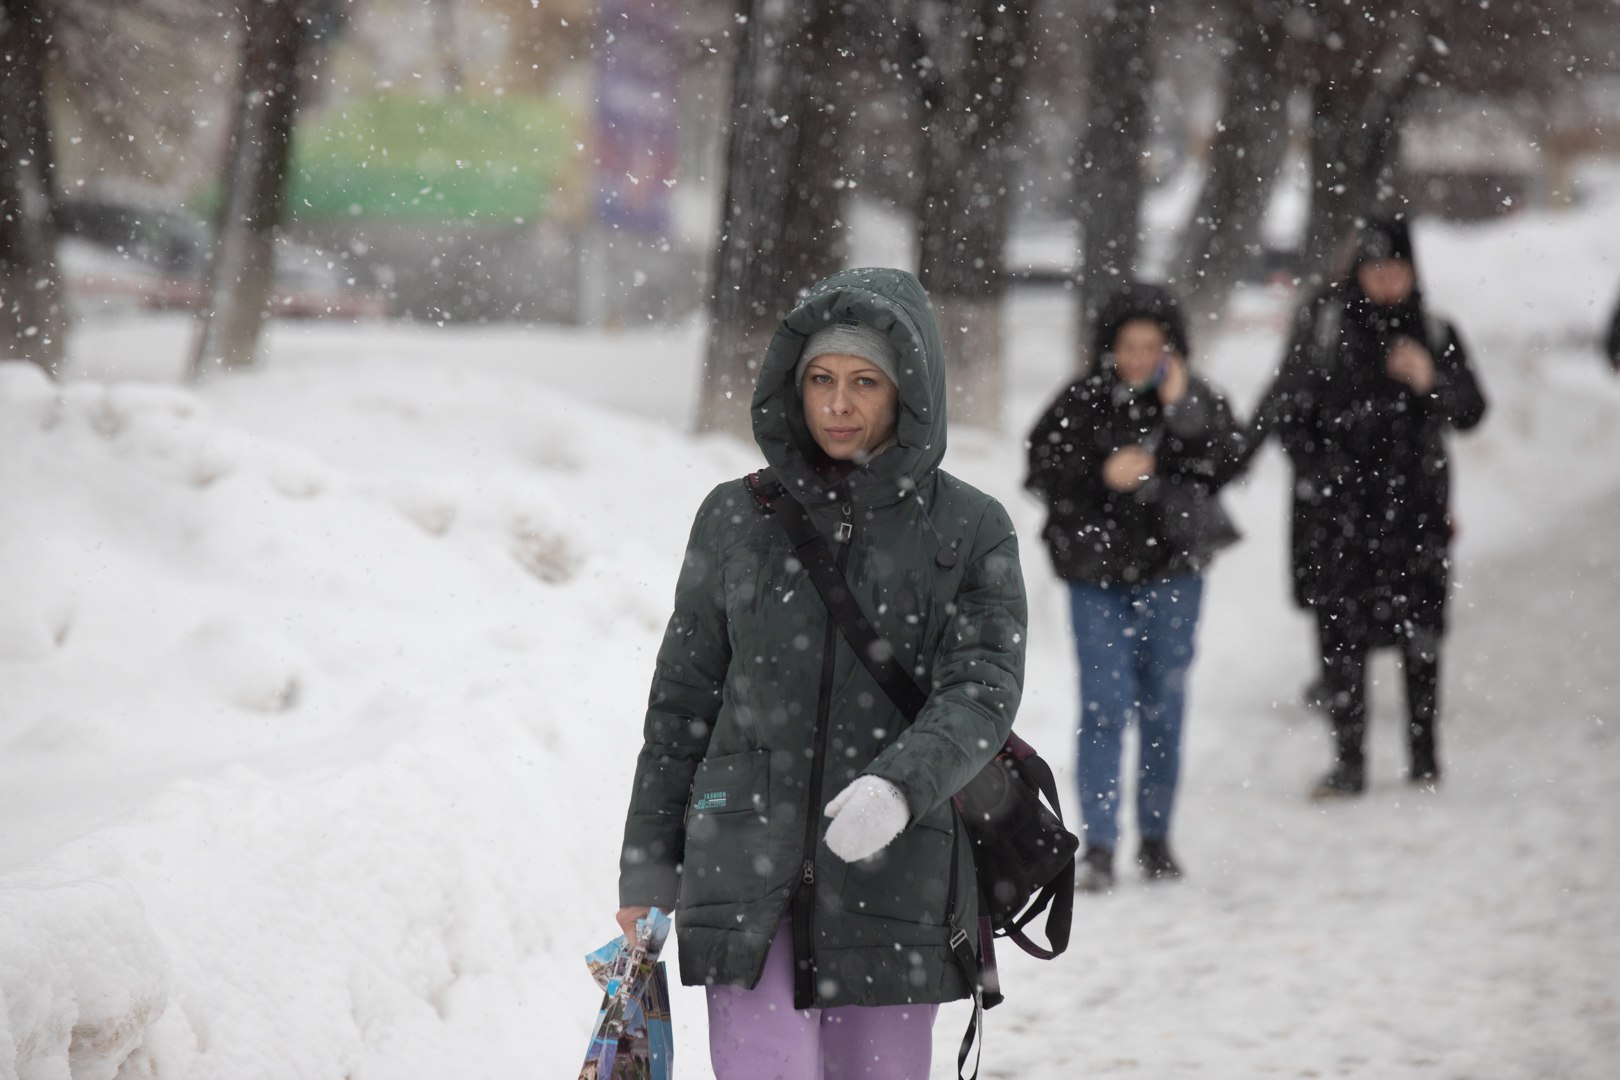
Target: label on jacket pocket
x=710 y=800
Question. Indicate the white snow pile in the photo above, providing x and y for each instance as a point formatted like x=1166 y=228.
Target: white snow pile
x=320 y=688
x=303 y=761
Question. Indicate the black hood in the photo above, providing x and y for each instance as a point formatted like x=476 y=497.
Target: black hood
x=1385 y=237
x=1140 y=300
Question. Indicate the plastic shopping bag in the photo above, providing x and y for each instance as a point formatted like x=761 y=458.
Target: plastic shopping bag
x=633 y=1038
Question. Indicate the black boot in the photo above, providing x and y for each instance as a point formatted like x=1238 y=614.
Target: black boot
x=1425 y=771
x=1348 y=777
x=1425 y=762
x=1156 y=861
x=1317 y=696
x=1096 y=870
x=1345 y=780
x=1422 y=664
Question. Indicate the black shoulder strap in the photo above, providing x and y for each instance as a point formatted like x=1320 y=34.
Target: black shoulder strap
x=878 y=657
x=875 y=653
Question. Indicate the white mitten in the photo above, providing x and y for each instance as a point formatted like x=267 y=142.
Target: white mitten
x=865 y=817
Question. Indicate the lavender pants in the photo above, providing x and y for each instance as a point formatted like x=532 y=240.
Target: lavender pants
x=758 y=1035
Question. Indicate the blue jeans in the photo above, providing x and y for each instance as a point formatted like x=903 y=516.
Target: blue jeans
x=1135 y=646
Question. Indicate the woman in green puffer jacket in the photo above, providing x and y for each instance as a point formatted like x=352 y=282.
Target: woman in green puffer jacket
x=798 y=825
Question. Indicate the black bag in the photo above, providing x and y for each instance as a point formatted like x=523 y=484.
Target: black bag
x=1023 y=856
x=1022 y=853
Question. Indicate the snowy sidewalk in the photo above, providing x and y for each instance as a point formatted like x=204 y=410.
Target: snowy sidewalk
x=1474 y=932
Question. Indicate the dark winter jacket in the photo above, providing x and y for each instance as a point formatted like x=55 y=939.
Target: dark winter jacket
x=1170 y=525
x=1371 y=532
x=1612 y=345
x=760 y=713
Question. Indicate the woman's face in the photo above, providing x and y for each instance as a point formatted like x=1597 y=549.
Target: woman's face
x=1386 y=282
x=850 y=406
x=1139 y=346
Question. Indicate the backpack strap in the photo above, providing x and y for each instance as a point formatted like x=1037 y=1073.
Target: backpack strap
x=765 y=488
x=1326 y=339
x=1436 y=333
x=980 y=972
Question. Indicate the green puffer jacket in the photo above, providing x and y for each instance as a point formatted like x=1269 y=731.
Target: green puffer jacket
x=760 y=712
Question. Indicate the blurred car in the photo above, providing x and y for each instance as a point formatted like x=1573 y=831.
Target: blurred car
x=118 y=257
x=312 y=283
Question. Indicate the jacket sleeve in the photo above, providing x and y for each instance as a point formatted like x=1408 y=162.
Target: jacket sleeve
x=688 y=679
x=1065 y=456
x=1456 y=399
x=1305 y=406
x=978 y=677
x=1205 y=444
x=1290 y=405
x=1275 y=406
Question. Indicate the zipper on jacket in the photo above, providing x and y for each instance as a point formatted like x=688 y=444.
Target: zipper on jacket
x=803 y=904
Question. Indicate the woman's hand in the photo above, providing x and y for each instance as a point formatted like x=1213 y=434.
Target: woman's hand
x=866 y=815
x=1411 y=364
x=1173 y=387
x=1127 y=468
x=626 y=918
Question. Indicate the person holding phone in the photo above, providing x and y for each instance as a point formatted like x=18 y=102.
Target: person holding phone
x=1129 y=460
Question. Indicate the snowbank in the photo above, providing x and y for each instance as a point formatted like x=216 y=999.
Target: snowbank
x=310 y=737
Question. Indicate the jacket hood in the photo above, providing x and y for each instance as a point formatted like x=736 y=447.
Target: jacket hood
x=1386 y=237
x=892 y=302
x=1140 y=300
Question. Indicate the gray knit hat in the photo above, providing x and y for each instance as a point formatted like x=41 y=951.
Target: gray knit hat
x=851 y=337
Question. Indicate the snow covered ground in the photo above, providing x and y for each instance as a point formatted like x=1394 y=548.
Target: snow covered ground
x=322 y=687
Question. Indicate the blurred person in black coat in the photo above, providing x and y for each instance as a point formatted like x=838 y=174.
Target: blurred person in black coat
x=1368 y=388
x=1612 y=346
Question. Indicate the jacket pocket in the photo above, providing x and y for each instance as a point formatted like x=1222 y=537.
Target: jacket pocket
x=909 y=879
x=727 y=857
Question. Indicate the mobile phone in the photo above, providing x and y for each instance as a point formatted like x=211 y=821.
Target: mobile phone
x=1160 y=371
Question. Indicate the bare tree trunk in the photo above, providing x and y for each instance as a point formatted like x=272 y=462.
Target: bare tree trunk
x=1109 y=183
x=242 y=273
x=1332 y=200
x=542 y=43
x=1223 y=239
x=33 y=321
x=779 y=227
x=1355 y=138
x=971 y=68
x=444 y=26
